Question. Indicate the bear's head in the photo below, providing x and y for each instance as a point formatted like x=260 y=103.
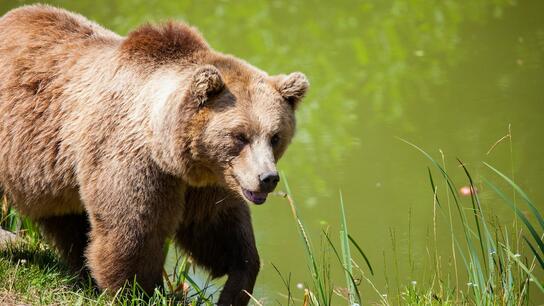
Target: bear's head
x=229 y=125
x=244 y=122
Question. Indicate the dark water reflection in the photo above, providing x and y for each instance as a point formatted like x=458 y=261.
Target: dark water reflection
x=448 y=75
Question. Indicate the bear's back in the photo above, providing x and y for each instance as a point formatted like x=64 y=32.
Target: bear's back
x=40 y=43
x=49 y=24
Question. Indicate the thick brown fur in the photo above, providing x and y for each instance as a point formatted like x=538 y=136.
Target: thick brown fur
x=113 y=144
x=169 y=42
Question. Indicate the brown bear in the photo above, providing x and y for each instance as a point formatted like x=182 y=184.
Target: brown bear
x=113 y=144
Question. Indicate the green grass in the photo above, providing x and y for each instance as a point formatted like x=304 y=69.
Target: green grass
x=491 y=263
x=30 y=273
x=500 y=271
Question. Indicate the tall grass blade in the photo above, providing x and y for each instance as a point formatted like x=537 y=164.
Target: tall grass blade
x=535 y=252
x=362 y=254
x=316 y=276
x=519 y=213
x=346 y=256
x=332 y=247
x=350 y=274
x=287 y=284
x=433 y=186
x=477 y=213
x=488 y=237
x=532 y=207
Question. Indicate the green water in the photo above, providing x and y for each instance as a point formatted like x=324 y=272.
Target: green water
x=446 y=75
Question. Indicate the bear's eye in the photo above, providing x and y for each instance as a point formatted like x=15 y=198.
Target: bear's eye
x=241 y=138
x=274 y=140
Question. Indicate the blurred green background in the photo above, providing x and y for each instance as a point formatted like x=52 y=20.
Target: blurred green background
x=446 y=75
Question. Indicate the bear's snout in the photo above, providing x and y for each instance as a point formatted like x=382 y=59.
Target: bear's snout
x=268 y=181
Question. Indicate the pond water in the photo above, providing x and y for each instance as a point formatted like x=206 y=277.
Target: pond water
x=447 y=75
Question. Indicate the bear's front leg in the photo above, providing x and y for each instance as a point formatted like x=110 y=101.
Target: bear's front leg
x=216 y=231
x=131 y=212
x=121 y=253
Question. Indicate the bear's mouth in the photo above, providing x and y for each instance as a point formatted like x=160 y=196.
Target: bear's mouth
x=255 y=197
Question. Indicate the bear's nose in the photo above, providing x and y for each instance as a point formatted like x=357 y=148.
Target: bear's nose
x=268 y=181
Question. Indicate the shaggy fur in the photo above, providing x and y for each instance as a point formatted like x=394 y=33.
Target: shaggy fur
x=112 y=144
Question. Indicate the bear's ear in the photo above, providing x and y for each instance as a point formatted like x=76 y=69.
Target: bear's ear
x=205 y=82
x=293 y=87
